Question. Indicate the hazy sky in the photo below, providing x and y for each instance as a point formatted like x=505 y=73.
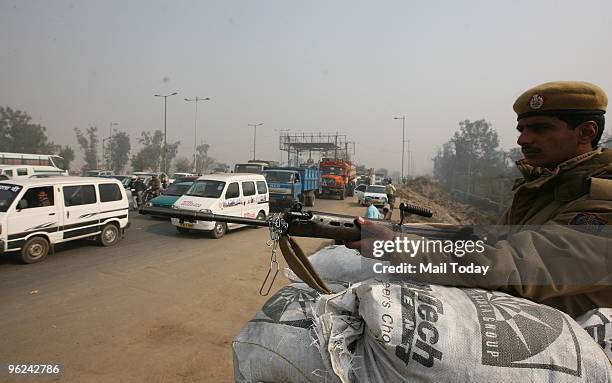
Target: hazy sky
x=308 y=66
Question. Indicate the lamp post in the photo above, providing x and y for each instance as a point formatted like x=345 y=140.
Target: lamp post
x=255 y=135
x=195 y=127
x=403 y=118
x=165 y=130
x=110 y=144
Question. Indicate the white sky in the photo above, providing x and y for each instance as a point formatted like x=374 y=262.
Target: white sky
x=308 y=66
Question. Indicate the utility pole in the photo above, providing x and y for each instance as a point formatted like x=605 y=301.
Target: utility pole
x=195 y=127
x=110 y=144
x=165 y=154
x=403 y=118
x=255 y=135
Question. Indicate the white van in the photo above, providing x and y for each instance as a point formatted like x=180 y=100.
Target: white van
x=239 y=195
x=37 y=213
x=27 y=171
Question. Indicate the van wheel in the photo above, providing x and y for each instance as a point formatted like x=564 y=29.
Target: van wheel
x=35 y=250
x=261 y=215
x=182 y=230
x=219 y=230
x=109 y=235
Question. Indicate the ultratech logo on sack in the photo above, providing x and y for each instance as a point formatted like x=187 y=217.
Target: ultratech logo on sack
x=420 y=312
x=522 y=334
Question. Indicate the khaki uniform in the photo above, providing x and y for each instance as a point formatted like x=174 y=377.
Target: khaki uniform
x=561 y=265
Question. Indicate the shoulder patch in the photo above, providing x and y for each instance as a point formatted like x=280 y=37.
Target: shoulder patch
x=588 y=222
x=601 y=188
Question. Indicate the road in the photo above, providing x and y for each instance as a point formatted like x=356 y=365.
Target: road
x=158 y=307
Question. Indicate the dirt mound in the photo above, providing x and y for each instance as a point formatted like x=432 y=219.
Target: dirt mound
x=427 y=193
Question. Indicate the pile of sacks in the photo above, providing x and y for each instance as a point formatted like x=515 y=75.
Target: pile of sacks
x=374 y=330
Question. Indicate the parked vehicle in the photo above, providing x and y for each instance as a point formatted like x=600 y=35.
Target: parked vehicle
x=240 y=195
x=176 y=176
x=376 y=194
x=29 y=171
x=254 y=166
x=338 y=177
x=36 y=214
x=359 y=193
x=289 y=185
x=98 y=173
x=169 y=196
x=50 y=162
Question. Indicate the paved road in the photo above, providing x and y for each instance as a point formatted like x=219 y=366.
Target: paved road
x=158 y=307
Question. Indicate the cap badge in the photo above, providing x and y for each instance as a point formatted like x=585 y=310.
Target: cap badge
x=536 y=101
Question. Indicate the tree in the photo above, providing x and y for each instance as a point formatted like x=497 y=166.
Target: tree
x=183 y=165
x=204 y=163
x=67 y=153
x=88 y=142
x=19 y=135
x=150 y=156
x=606 y=140
x=118 y=151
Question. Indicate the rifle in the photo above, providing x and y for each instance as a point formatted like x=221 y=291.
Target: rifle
x=314 y=224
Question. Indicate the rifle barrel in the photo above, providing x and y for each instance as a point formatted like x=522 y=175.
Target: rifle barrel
x=200 y=216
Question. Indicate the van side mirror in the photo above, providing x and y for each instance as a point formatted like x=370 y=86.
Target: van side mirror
x=23 y=204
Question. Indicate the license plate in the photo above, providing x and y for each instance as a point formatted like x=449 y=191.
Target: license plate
x=188 y=225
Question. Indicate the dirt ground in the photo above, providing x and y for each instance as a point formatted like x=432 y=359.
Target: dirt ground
x=159 y=307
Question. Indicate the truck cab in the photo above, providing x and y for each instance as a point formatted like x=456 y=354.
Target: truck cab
x=289 y=185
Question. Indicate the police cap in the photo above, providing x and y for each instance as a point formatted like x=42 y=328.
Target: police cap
x=561 y=97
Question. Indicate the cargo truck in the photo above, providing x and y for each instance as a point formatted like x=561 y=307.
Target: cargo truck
x=288 y=185
x=338 y=177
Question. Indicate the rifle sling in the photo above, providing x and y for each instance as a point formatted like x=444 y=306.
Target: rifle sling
x=301 y=266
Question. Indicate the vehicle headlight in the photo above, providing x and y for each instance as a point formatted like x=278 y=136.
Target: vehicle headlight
x=205 y=211
x=148 y=204
x=174 y=207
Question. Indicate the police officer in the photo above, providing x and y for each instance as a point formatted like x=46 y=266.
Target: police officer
x=566 y=186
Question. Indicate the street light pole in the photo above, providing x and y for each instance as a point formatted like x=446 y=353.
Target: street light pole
x=165 y=155
x=403 y=118
x=255 y=135
x=110 y=144
x=195 y=127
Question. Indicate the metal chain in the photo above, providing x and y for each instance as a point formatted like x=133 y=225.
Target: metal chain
x=277 y=227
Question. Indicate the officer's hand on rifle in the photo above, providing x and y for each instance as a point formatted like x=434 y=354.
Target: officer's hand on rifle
x=370 y=232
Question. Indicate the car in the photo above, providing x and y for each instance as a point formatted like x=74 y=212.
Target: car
x=376 y=194
x=235 y=194
x=359 y=191
x=169 y=196
x=177 y=176
x=38 y=213
x=98 y=173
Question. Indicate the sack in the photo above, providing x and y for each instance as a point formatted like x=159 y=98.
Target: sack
x=378 y=331
x=337 y=263
x=598 y=324
x=278 y=344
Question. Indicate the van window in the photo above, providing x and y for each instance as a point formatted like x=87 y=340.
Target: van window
x=79 y=195
x=38 y=197
x=22 y=172
x=233 y=191
x=248 y=188
x=109 y=192
x=8 y=173
x=262 y=188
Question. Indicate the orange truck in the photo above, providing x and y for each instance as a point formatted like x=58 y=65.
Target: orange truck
x=337 y=177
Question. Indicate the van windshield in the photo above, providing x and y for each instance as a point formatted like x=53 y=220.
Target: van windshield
x=206 y=189
x=7 y=195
